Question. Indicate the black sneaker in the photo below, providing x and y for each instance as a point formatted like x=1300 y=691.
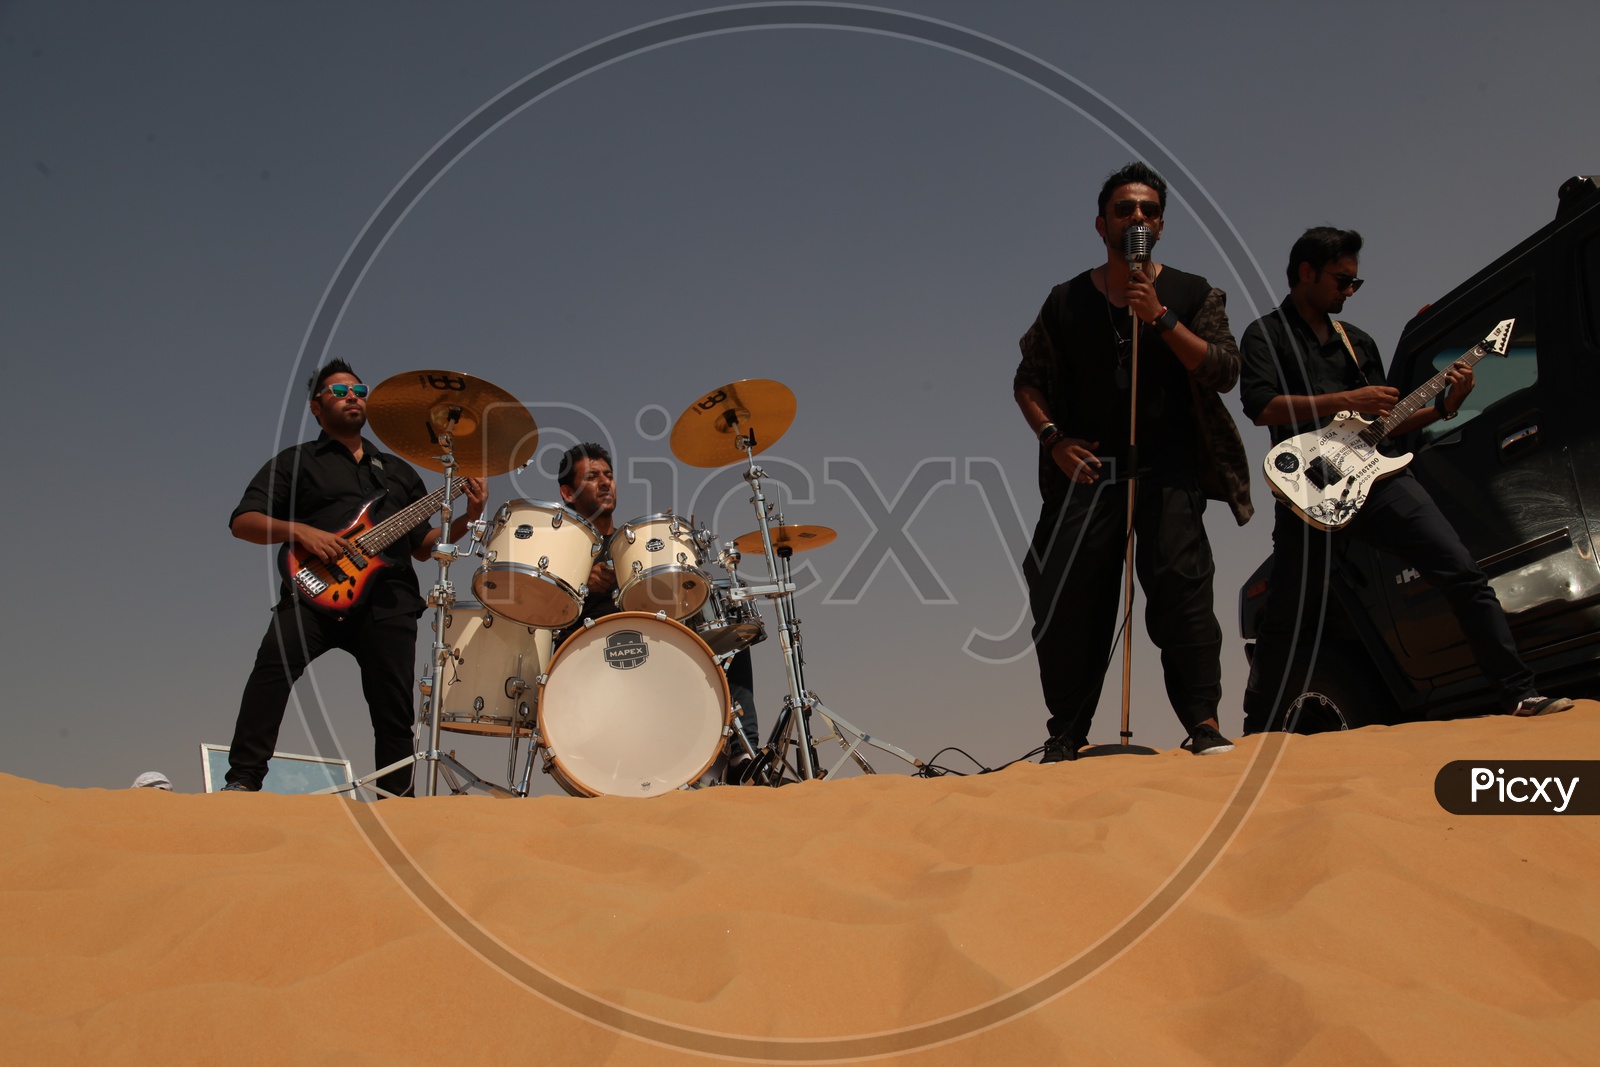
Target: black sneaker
x=1528 y=707
x=1206 y=740
x=1059 y=750
x=239 y=787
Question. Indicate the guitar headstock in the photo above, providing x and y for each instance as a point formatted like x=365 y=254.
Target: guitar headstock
x=1499 y=339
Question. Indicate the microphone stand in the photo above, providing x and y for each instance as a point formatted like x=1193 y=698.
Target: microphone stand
x=1126 y=747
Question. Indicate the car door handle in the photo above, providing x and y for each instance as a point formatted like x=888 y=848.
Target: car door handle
x=1518 y=435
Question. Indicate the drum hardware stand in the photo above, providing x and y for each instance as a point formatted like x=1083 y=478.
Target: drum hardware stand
x=800 y=702
x=1127 y=747
x=440 y=597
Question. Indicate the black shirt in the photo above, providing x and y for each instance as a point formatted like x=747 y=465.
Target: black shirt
x=1282 y=357
x=1082 y=368
x=319 y=483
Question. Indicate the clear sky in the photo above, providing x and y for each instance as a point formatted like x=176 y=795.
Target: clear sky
x=871 y=218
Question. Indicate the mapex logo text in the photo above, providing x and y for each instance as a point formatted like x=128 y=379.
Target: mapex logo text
x=1519 y=787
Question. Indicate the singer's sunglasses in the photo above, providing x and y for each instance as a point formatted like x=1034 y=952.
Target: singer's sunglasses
x=1347 y=281
x=1124 y=208
x=343 y=390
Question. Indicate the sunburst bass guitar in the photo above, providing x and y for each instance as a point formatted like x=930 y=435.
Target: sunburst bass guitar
x=338 y=588
x=1325 y=475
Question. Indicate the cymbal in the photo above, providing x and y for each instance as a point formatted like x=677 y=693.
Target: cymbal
x=706 y=434
x=798 y=538
x=493 y=431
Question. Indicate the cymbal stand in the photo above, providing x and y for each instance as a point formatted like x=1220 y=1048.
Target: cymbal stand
x=431 y=685
x=793 y=726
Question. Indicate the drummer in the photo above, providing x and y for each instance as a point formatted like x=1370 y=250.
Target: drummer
x=589 y=487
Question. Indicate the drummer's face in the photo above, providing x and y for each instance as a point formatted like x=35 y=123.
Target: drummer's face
x=593 y=492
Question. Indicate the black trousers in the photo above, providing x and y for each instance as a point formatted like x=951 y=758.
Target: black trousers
x=1402 y=519
x=1074 y=575
x=386 y=651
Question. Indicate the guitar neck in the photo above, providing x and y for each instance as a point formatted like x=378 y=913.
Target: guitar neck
x=403 y=522
x=1421 y=397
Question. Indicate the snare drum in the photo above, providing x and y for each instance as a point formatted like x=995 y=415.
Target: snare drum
x=492 y=675
x=632 y=706
x=657 y=559
x=536 y=564
x=725 y=625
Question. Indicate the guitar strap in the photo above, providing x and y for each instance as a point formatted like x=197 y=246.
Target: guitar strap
x=1338 y=328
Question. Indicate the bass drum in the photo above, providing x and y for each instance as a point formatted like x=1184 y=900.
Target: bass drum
x=493 y=672
x=633 y=706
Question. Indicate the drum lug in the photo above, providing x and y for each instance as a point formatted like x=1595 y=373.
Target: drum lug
x=583 y=594
x=616 y=596
x=683 y=557
x=662 y=614
x=425 y=686
x=594 y=550
x=588 y=623
x=544 y=563
x=555 y=520
x=488 y=620
x=490 y=556
x=627 y=532
x=638 y=565
x=477 y=703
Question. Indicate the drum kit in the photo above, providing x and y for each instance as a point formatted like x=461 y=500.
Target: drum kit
x=631 y=703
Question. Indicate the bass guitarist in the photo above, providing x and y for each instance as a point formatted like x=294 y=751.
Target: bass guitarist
x=1299 y=369
x=299 y=497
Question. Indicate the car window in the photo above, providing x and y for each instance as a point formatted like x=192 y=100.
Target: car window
x=1495 y=378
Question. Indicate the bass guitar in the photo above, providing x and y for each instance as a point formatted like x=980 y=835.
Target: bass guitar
x=338 y=588
x=1325 y=475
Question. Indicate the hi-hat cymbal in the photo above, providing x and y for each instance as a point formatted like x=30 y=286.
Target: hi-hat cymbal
x=707 y=433
x=493 y=431
x=796 y=538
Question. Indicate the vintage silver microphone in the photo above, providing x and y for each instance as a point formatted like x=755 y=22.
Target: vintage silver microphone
x=1136 y=244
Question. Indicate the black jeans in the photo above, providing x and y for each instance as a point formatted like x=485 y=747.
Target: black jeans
x=386 y=651
x=1402 y=519
x=1074 y=574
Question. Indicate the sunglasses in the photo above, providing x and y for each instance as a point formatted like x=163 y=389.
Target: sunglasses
x=343 y=390
x=1124 y=208
x=1347 y=281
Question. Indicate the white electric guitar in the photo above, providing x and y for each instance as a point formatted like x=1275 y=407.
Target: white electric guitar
x=1325 y=475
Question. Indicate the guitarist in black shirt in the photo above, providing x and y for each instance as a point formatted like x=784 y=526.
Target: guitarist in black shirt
x=298 y=498
x=1300 y=368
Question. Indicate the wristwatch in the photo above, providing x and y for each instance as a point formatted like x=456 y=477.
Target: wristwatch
x=1167 y=320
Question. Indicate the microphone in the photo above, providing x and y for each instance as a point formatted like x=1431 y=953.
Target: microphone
x=1136 y=244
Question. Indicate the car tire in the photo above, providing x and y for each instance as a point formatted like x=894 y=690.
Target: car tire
x=1342 y=693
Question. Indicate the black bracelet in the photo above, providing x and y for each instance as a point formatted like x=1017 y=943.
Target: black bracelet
x=1438 y=406
x=1048 y=441
x=1045 y=431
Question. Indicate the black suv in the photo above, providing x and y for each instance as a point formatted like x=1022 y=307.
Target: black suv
x=1517 y=473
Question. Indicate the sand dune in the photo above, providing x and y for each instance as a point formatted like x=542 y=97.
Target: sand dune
x=1299 y=902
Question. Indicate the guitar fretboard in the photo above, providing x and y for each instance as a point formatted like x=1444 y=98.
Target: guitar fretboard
x=1420 y=398
x=407 y=519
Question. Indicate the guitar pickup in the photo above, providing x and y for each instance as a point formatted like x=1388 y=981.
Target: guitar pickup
x=309 y=583
x=356 y=558
x=1321 y=473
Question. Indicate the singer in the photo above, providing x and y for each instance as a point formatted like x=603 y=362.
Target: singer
x=1074 y=388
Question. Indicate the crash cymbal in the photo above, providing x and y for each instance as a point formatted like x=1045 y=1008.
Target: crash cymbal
x=493 y=431
x=706 y=434
x=797 y=538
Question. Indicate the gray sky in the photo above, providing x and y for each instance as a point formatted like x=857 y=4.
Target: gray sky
x=867 y=218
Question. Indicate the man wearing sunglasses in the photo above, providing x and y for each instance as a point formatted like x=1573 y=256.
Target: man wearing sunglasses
x=301 y=495
x=1300 y=369
x=1074 y=386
